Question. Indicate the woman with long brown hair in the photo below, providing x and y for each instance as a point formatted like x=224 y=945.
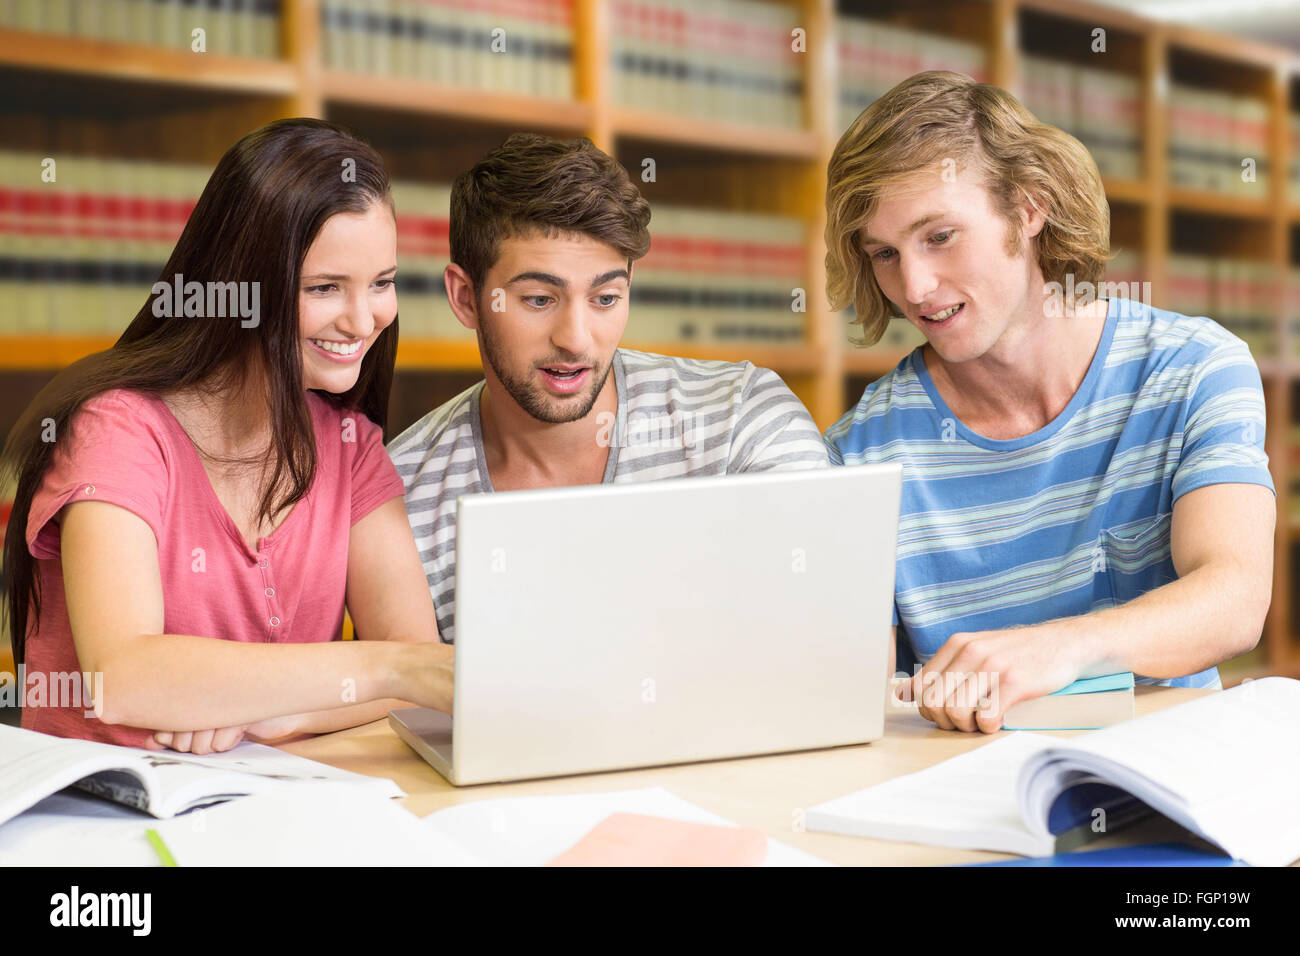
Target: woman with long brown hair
x=196 y=505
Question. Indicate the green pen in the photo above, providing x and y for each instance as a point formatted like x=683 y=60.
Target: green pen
x=160 y=848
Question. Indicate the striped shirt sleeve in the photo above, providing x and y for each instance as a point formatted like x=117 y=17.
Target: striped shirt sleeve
x=774 y=431
x=1223 y=439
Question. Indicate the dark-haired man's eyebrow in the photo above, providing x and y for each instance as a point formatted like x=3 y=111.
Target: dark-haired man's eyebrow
x=609 y=277
x=871 y=241
x=545 y=277
x=343 y=278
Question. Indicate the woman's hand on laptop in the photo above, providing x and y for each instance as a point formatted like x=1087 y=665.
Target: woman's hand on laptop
x=974 y=678
x=425 y=674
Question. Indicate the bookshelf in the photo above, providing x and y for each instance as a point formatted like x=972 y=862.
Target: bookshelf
x=129 y=100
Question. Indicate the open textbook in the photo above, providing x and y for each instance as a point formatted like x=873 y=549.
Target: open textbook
x=162 y=783
x=1225 y=766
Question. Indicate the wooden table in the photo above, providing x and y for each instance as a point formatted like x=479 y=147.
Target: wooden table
x=765 y=792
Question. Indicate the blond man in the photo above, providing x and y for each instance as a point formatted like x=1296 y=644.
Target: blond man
x=1085 y=484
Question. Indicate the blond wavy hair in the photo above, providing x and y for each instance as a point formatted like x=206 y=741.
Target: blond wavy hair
x=937 y=116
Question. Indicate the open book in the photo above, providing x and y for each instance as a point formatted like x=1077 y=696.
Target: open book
x=162 y=783
x=1225 y=766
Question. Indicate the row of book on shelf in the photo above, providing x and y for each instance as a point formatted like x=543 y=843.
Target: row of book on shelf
x=232 y=27
x=79 y=255
x=1219 y=142
x=523 y=46
x=874 y=57
x=1240 y=294
x=726 y=60
x=1100 y=108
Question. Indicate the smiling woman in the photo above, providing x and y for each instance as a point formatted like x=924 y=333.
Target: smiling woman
x=218 y=488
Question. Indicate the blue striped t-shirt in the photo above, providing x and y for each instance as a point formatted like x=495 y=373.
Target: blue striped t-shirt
x=1074 y=517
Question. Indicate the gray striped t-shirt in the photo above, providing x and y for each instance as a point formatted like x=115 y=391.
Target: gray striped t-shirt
x=676 y=417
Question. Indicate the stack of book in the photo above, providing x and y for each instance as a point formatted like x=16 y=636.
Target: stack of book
x=1100 y=108
x=1236 y=293
x=423 y=252
x=720 y=277
x=78 y=255
x=729 y=60
x=874 y=57
x=232 y=27
x=518 y=46
x=1218 y=142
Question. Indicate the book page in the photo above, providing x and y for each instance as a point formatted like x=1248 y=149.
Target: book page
x=75 y=829
x=330 y=824
x=968 y=801
x=1226 y=743
x=186 y=780
x=34 y=765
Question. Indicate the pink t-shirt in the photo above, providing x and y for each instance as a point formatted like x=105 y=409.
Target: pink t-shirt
x=128 y=449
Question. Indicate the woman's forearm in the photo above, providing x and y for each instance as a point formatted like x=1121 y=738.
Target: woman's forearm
x=179 y=682
x=352 y=715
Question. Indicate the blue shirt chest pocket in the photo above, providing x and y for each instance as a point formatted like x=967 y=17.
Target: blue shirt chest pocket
x=1132 y=559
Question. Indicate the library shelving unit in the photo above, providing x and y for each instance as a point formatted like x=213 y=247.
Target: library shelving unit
x=123 y=100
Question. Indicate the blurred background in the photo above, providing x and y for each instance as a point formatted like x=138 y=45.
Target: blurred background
x=725 y=112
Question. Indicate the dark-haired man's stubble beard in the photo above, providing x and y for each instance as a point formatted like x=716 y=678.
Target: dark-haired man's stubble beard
x=531 y=397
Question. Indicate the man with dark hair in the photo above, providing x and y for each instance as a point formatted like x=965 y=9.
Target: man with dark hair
x=544 y=235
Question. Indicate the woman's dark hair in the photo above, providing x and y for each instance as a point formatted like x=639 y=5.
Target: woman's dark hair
x=263 y=206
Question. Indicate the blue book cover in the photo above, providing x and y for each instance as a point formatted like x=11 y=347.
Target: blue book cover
x=1155 y=854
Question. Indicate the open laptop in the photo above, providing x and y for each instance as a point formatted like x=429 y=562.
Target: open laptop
x=604 y=627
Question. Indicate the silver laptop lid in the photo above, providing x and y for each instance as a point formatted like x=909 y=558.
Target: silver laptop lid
x=603 y=627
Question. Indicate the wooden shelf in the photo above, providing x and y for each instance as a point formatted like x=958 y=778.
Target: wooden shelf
x=1219 y=204
x=465 y=103
x=49 y=351
x=714 y=135
x=1137 y=191
x=436 y=354
x=101 y=59
x=59 y=351
x=1093 y=14
x=1242 y=52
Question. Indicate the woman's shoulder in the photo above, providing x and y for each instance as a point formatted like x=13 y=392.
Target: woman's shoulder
x=122 y=412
